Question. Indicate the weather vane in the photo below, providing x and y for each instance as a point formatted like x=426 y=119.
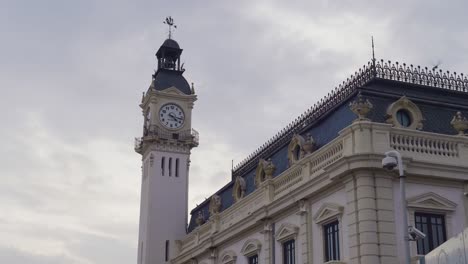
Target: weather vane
x=170 y=22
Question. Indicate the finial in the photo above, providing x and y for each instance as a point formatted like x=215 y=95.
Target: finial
x=460 y=123
x=193 y=88
x=170 y=22
x=361 y=107
x=373 y=49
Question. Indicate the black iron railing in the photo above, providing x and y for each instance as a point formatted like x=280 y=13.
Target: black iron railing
x=159 y=133
x=373 y=70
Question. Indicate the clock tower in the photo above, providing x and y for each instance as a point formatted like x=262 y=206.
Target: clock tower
x=165 y=147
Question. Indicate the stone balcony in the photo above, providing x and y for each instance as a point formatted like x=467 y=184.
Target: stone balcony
x=156 y=134
x=358 y=146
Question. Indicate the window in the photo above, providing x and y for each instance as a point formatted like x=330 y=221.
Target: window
x=433 y=226
x=141 y=252
x=166 y=253
x=297 y=152
x=177 y=167
x=403 y=117
x=170 y=166
x=288 y=252
x=163 y=160
x=332 y=244
x=253 y=259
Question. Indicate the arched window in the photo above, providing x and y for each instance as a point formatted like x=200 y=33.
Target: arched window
x=163 y=160
x=170 y=167
x=147 y=121
x=177 y=167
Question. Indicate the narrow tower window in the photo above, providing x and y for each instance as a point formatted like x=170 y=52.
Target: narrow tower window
x=177 y=167
x=141 y=252
x=163 y=159
x=170 y=166
x=167 y=251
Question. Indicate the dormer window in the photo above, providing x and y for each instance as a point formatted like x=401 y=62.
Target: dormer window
x=403 y=117
x=404 y=113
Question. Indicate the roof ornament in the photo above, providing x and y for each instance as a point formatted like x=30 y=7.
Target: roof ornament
x=170 y=23
x=361 y=107
x=460 y=123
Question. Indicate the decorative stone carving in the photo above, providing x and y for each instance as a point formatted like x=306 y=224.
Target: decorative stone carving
x=228 y=257
x=432 y=202
x=264 y=171
x=309 y=145
x=251 y=247
x=286 y=232
x=200 y=220
x=327 y=212
x=459 y=123
x=215 y=204
x=411 y=108
x=239 y=188
x=361 y=107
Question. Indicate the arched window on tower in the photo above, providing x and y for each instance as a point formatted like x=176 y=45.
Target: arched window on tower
x=170 y=167
x=177 y=167
x=147 y=122
x=163 y=160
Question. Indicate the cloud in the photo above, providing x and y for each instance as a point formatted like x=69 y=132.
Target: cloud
x=73 y=73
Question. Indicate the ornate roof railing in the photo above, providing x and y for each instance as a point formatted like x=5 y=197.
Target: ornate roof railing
x=422 y=76
x=373 y=70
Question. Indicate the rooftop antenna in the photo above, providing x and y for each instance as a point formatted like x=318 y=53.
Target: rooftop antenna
x=373 y=57
x=373 y=49
x=170 y=23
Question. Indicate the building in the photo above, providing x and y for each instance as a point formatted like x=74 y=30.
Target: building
x=316 y=192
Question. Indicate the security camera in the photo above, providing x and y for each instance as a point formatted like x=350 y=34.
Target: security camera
x=389 y=163
x=415 y=234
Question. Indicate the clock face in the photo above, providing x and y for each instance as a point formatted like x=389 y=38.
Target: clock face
x=171 y=116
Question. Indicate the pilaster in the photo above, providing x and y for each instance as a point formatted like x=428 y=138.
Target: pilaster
x=305 y=231
x=267 y=233
x=371 y=222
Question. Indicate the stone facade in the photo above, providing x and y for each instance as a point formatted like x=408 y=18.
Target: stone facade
x=342 y=180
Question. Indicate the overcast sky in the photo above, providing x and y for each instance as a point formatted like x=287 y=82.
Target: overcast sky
x=72 y=74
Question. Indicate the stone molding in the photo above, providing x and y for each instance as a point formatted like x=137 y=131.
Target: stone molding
x=405 y=104
x=286 y=232
x=228 y=257
x=251 y=247
x=328 y=212
x=432 y=202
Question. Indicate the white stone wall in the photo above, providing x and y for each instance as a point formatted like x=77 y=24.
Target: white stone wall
x=164 y=206
x=344 y=178
x=453 y=191
x=338 y=197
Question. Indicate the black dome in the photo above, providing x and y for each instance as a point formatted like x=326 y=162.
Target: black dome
x=170 y=43
x=164 y=79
